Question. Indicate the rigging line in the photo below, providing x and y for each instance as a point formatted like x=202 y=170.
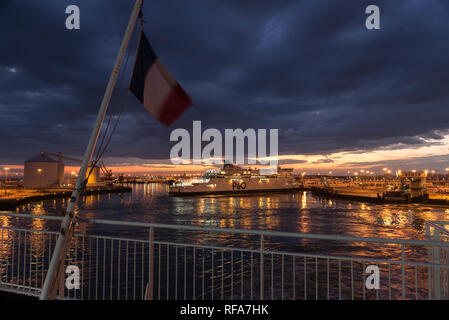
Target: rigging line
x=104 y=133
x=94 y=164
x=142 y=21
x=100 y=151
x=128 y=89
x=138 y=34
x=116 y=94
x=115 y=125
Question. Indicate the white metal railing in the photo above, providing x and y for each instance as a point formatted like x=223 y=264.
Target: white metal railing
x=135 y=260
x=439 y=277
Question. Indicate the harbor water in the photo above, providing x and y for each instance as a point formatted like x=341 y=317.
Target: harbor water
x=287 y=212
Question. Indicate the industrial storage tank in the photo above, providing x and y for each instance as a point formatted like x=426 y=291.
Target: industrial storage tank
x=94 y=178
x=42 y=171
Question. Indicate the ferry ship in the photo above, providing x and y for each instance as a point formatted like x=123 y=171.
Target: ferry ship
x=236 y=180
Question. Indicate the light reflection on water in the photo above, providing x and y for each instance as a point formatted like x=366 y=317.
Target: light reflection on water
x=294 y=212
x=300 y=212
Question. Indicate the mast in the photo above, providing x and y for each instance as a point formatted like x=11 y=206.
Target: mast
x=63 y=243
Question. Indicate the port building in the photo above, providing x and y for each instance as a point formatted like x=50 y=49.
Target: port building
x=42 y=171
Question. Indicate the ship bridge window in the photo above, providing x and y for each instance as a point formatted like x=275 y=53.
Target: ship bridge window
x=182 y=184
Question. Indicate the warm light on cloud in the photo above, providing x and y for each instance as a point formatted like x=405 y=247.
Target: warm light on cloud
x=335 y=161
x=338 y=161
x=343 y=159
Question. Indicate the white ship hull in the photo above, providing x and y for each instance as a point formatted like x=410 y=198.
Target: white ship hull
x=228 y=185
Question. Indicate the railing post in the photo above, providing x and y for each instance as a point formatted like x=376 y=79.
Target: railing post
x=429 y=255
x=403 y=270
x=62 y=282
x=2 y=254
x=436 y=268
x=149 y=293
x=261 y=267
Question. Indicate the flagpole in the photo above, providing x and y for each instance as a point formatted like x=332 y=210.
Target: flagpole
x=55 y=269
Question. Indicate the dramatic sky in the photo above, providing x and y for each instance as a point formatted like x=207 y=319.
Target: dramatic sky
x=343 y=97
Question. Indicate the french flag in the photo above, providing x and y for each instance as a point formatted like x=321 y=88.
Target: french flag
x=155 y=87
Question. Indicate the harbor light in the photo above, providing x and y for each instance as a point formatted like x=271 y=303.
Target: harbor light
x=6 y=177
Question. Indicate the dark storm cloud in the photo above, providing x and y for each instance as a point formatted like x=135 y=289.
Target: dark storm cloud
x=309 y=68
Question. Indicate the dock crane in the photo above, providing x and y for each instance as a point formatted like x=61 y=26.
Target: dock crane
x=107 y=173
x=60 y=156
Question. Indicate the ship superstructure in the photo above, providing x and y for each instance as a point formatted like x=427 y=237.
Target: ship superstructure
x=232 y=179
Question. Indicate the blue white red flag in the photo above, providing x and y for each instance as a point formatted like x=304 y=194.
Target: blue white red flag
x=155 y=87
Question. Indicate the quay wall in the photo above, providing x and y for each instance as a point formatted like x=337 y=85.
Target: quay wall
x=11 y=204
x=381 y=197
